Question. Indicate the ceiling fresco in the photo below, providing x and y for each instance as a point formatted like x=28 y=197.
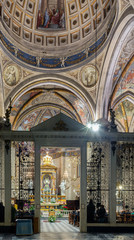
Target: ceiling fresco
x=124 y=113
x=26 y=123
x=69 y=25
x=51 y=15
x=127 y=80
x=38 y=105
x=125 y=55
x=123 y=85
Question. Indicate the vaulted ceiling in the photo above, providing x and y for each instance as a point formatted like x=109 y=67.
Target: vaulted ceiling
x=81 y=69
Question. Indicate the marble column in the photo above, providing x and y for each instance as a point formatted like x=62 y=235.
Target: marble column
x=83 y=189
x=112 y=185
x=7 y=182
x=37 y=182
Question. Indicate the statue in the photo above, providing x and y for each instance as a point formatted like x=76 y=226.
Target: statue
x=62 y=187
x=46 y=184
x=30 y=186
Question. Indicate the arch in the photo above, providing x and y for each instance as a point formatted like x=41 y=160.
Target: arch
x=57 y=80
x=21 y=116
x=104 y=94
x=127 y=95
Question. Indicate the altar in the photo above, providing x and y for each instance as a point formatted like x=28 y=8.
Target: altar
x=50 y=198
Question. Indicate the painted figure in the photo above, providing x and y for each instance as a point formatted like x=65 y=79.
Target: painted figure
x=56 y=18
x=46 y=19
x=39 y=19
x=62 y=20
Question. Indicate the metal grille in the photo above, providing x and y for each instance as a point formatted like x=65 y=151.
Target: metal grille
x=98 y=155
x=2 y=176
x=125 y=176
x=23 y=171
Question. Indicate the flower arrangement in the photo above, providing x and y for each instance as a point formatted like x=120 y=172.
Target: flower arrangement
x=32 y=207
x=26 y=207
x=64 y=207
x=51 y=218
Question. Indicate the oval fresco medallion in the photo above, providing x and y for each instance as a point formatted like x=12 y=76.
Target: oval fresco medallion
x=12 y=74
x=89 y=76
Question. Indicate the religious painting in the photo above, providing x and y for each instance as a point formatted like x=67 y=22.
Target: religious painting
x=89 y=76
x=51 y=14
x=12 y=75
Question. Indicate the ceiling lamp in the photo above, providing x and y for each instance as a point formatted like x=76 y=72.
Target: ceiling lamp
x=94 y=126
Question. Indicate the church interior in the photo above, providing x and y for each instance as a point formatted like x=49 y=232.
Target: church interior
x=67 y=112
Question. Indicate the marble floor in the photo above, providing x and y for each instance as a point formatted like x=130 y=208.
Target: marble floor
x=69 y=236
x=62 y=230
x=60 y=226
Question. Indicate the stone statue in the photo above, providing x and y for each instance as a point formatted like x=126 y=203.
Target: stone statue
x=30 y=186
x=62 y=187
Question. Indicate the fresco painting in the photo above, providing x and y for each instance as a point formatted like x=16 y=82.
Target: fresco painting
x=51 y=14
x=119 y=114
x=64 y=100
x=79 y=107
x=126 y=83
x=33 y=119
x=28 y=121
x=129 y=108
x=129 y=113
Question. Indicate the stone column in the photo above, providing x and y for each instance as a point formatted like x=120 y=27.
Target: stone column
x=83 y=189
x=37 y=182
x=112 y=184
x=7 y=182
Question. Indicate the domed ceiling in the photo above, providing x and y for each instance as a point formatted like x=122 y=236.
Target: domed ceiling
x=55 y=34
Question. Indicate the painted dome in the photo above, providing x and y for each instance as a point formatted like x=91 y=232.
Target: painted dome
x=26 y=21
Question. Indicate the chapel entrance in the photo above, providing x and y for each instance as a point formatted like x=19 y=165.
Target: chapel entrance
x=59 y=189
